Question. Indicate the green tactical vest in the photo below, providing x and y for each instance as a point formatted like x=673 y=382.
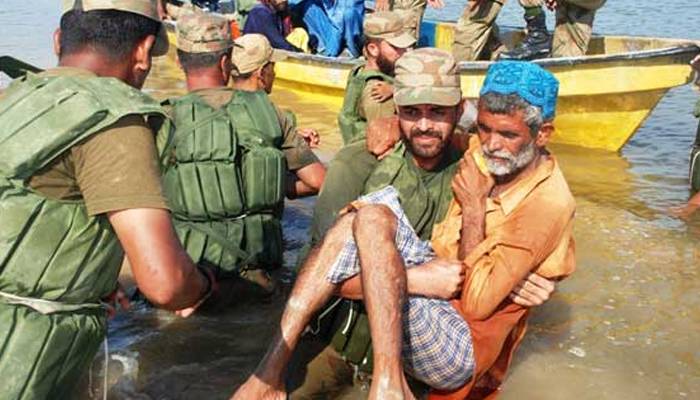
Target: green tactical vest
x=225 y=180
x=351 y=337
x=694 y=172
x=352 y=125
x=54 y=257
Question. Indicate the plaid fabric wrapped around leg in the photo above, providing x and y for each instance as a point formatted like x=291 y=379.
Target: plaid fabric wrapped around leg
x=437 y=344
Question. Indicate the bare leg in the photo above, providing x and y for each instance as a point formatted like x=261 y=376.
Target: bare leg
x=384 y=291
x=311 y=291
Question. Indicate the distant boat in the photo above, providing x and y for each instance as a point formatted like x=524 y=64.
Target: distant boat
x=604 y=97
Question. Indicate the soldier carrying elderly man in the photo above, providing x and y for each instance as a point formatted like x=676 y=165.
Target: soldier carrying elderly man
x=488 y=230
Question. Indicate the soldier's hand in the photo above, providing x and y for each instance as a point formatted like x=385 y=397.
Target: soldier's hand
x=470 y=186
x=381 y=5
x=382 y=135
x=310 y=136
x=551 y=4
x=381 y=92
x=696 y=63
x=115 y=300
x=436 y=3
x=684 y=212
x=532 y=291
x=439 y=279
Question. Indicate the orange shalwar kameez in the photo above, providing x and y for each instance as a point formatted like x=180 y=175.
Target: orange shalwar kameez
x=528 y=229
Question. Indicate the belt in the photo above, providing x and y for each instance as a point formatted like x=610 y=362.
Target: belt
x=47 y=307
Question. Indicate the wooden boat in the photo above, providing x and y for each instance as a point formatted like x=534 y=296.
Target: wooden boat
x=604 y=97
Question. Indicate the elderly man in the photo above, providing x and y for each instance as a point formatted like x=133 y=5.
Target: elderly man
x=476 y=34
x=231 y=153
x=363 y=255
x=80 y=187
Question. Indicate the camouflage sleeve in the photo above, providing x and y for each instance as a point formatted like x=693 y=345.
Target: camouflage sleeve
x=371 y=109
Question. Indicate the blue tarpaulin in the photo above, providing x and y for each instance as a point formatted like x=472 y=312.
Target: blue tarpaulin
x=334 y=25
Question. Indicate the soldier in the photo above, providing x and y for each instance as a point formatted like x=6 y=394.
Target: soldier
x=254 y=71
x=476 y=35
x=80 y=187
x=385 y=42
x=232 y=150
x=687 y=210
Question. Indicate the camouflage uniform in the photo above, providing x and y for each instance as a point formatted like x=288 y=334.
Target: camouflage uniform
x=476 y=33
x=320 y=370
x=411 y=12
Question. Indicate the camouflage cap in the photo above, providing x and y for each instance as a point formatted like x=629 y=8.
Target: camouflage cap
x=146 y=8
x=253 y=51
x=203 y=33
x=427 y=76
x=387 y=25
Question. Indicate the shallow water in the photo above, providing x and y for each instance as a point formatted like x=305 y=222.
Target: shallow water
x=622 y=327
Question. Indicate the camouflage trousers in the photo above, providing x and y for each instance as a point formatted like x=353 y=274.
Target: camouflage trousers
x=476 y=33
x=411 y=12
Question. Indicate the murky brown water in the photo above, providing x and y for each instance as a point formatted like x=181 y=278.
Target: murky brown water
x=623 y=326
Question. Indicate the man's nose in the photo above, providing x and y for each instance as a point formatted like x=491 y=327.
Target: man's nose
x=494 y=143
x=423 y=124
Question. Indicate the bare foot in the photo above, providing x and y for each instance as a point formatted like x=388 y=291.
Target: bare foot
x=384 y=388
x=256 y=389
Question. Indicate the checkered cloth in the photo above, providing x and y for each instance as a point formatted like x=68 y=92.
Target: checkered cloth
x=437 y=343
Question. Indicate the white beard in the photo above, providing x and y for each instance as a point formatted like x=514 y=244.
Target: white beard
x=507 y=163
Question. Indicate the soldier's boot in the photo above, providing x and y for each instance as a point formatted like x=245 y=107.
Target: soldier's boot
x=537 y=43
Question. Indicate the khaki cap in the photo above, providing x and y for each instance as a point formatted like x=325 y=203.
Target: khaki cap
x=253 y=51
x=203 y=33
x=427 y=76
x=387 y=25
x=146 y=8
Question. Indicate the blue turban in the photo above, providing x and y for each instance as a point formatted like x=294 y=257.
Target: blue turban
x=533 y=83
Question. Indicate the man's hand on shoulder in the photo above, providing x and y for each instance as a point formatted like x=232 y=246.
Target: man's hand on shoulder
x=470 y=186
x=439 y=279
x=381 y=91
x=310 y=136
x=532 y=291
x=382 y=135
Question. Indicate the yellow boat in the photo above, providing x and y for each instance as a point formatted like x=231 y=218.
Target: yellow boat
x=604 y=97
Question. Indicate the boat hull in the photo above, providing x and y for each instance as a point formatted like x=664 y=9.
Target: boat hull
x=604 y=97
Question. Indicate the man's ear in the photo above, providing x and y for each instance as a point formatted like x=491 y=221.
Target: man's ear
x=141 y=55
x=373 y=49
x=57 y=42
x=226 y=67
x=545 y=133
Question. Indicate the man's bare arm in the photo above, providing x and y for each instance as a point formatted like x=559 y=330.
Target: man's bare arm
x=438 y=279
x=306 y=181
x=163 y=271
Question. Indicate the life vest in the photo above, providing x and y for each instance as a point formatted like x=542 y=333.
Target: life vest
x=694 y=171
x=349 y=327
x=56 y=261
x=225 y=180
x=352 y=124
